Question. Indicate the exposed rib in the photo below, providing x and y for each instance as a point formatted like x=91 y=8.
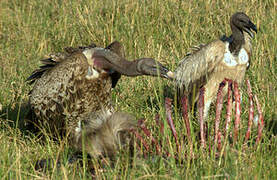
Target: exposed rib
x=201 y=116
x=237 y=110
x=186 y=117
x=170 y=122
x=260 y=121
x=229 y=107
x=219 y=105
x=251 y=111
x=148 y=133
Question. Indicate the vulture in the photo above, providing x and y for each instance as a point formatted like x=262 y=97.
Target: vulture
x=71 y=85
x=208 y=65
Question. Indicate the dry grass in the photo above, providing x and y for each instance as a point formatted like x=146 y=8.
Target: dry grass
x=165 y=30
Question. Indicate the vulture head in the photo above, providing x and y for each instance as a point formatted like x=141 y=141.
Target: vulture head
x=242 y=22
x=149 y=66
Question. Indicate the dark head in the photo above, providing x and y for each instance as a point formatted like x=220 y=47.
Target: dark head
x=149 y=66
x=241 y=21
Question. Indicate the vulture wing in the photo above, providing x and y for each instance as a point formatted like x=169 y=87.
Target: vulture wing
x=53 y=60
x=197 y=66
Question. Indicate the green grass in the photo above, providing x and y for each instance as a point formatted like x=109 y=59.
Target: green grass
x=165 y=30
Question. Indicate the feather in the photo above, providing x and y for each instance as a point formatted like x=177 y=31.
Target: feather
x=199 y=64
x=53 y=60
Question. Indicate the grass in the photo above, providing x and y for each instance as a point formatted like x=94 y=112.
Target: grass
x=165 y=30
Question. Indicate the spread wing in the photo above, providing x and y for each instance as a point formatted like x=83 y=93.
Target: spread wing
x=197 y=65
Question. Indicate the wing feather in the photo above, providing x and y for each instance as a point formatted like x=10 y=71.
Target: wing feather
x=200 y=63
x=53 y=60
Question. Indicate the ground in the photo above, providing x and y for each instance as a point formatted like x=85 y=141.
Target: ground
x=164 y=30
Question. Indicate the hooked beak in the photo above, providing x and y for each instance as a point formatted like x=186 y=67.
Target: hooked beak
x=250 y=27
x=166 y=73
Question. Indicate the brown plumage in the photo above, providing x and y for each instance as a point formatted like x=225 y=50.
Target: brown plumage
x=73 y=84
x=72 y=93
x=210 y=64
x=63 y=90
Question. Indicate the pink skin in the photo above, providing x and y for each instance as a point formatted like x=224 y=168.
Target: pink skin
x=261 y=120
x=148 y=133
x=219 y=105
x=237 y=110
x=138 y=136
x=219 y=143
x=98 y=63
x=168 y=102
x=184 y=102
x=217 y=133
x=229 y=107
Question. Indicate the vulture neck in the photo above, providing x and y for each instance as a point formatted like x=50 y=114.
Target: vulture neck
x=238 y=40
x=119 y=64
x=248 y=42
x=127 y=68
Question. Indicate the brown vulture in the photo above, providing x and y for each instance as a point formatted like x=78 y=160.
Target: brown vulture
x=69 y=86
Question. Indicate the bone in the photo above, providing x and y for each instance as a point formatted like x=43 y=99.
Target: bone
x=229 y=108
x=201 y=116
x=219 y=105
x=168 y=102
x=219 y=143
x=159 y=123
x=145 y=145
x=260 y=121
x=251 y=111
x=237 y=111
x=148 y=133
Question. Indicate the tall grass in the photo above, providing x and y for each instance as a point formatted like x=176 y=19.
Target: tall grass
x=165 y=30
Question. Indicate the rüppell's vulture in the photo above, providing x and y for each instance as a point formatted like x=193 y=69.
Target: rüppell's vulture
x=71 y=85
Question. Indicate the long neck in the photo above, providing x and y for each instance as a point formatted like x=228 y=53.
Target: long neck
x=238 y=39
x=248 y=42
x=127 y=68
x=117 y=63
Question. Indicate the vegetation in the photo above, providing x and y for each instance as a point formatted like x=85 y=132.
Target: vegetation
x=165 y=30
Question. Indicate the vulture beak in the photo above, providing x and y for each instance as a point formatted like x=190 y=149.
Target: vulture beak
x=170 y=75
x=166 y=73
x=250 y=27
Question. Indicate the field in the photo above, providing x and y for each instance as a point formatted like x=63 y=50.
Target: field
x=164 y=30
